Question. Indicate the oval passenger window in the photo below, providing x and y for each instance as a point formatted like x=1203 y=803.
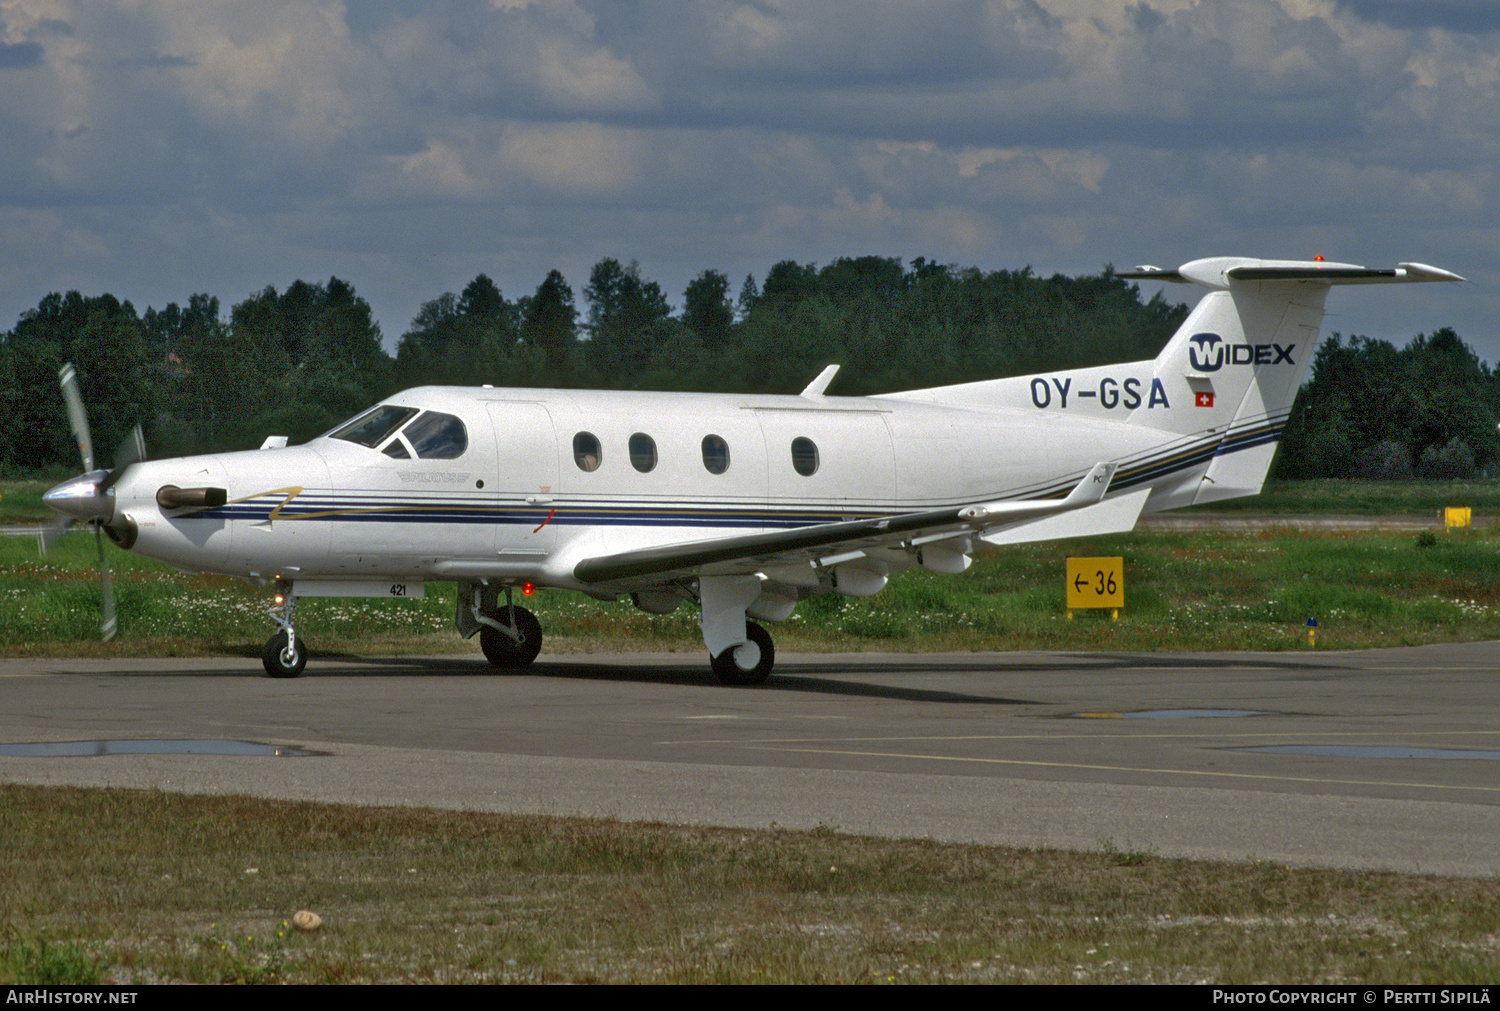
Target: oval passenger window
x=804 y=456
x=642 y=452
x=586 y=451
x=715 y=454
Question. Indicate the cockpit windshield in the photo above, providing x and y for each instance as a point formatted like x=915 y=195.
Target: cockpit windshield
x=432 y=436
x=374 y=426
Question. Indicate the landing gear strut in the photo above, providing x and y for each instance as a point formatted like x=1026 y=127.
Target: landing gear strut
x=285 y=654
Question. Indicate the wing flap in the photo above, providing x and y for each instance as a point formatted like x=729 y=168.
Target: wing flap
x=1117 y=515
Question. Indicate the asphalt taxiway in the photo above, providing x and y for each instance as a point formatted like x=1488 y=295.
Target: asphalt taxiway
x=1384 y=759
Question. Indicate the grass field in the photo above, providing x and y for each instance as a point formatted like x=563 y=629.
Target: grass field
x=1365 y=498
x=141 y=887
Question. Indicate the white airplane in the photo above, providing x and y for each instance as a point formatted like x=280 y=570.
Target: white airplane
x=742 y=504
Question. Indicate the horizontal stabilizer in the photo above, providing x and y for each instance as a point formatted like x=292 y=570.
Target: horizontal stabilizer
x=1219 y=271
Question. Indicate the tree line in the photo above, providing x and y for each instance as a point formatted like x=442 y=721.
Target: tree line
x=1373 y=411
x=295 y=362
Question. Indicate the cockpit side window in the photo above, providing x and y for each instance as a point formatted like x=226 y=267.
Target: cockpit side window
x=375 y=425
x=437 y=436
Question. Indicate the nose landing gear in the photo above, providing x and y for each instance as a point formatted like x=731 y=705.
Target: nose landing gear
x=514 y=646
x=286 y=654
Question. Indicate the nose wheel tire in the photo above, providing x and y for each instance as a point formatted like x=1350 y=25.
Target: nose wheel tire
x=749 y=664
x=282 y=662
x=507 y=653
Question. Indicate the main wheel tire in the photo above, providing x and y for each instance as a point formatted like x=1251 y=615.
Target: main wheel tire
x=730 y=672
x=281 y=663
x=503 y=651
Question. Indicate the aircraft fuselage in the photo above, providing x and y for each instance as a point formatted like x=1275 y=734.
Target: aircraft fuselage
x=518 y=504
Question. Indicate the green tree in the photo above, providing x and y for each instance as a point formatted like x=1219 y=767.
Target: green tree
x=460 y=339
x=749 y=295
x=706 y=310
x=106 y=341
x=549 y=322
x=323 y=359
x=1383 y=406
x=626 y=317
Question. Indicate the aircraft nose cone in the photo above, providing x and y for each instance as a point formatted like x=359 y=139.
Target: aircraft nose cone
x=81 y=498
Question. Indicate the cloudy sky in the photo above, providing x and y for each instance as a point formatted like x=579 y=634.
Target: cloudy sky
x=156 y=148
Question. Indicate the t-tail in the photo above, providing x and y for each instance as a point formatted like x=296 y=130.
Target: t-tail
x=1236 y=362
x=1220 y=392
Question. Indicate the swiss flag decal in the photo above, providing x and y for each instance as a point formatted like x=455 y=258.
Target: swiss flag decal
x=1203 y=400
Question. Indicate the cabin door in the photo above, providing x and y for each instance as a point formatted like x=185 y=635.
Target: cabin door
x=525 y=479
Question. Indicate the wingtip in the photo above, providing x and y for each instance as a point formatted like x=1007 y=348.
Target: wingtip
x=1424 y=272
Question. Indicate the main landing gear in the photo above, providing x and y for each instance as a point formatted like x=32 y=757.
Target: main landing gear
x=740 y=651
x=747 y=664
x=514 y=641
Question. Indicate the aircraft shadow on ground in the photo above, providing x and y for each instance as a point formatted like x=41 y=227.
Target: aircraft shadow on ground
x=789 y=677
x=802 y=677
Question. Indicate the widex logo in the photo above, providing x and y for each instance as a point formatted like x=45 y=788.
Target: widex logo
x=1208 y=352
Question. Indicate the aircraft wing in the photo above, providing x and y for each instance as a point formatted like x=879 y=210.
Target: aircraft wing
x=832 y=543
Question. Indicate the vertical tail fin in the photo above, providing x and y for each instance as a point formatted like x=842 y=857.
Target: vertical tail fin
x=1238 y=359
x=1212 y=406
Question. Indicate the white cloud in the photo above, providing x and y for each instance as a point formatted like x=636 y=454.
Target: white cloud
x=168 y=143
x=579 y=159
x=588 y=78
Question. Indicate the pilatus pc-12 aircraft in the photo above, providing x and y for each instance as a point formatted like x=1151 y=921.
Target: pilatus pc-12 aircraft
x=740 y=504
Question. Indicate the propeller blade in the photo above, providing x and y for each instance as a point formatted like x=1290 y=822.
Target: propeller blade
x=77 y=418
x=132 y=450
x=48 y=535
x=83 y=497
x=107 y=626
